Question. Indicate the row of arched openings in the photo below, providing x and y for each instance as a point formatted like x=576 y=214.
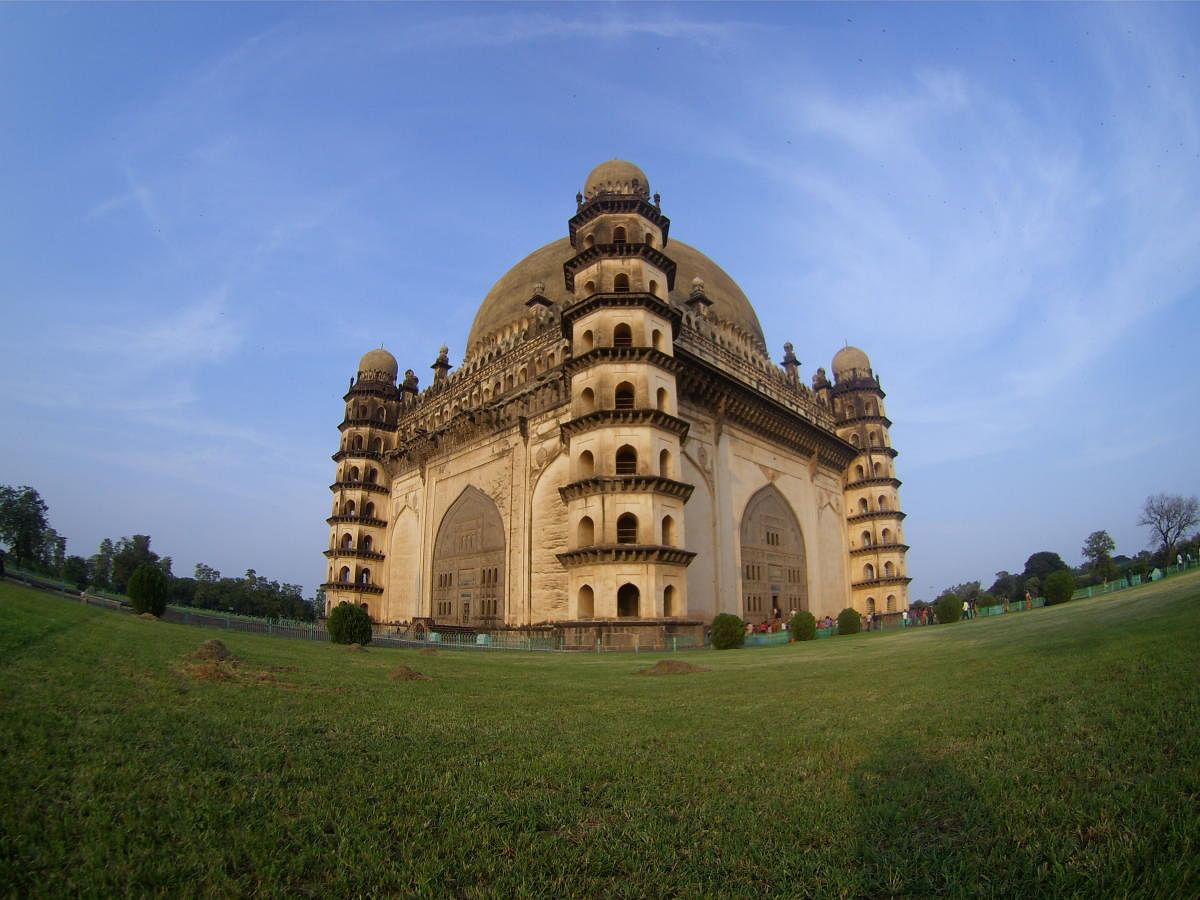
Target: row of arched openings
x=889 y=569
x=627 y=530
x=346 y=576
x=354 y=476
x=629 y=601
x=620 y=285
x=349 y=508
x=619 y=236
x=883 y=504
x=359 y=443
x=885 y=537
x=625 y=462
x=891 y=604
x=622 y=336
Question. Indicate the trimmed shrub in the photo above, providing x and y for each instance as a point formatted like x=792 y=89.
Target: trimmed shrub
x=728 y=632
x=948 y=608
x=849 y=621
x=147 y=590
x=349 y=624
x=1059 y=587
x=803 y=626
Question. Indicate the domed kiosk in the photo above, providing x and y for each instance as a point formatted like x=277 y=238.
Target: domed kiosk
x=617 y=458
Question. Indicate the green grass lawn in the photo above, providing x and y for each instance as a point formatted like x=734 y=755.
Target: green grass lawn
x=1051 y=752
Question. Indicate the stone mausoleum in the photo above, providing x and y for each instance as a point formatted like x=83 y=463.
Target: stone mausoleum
x=616 y=455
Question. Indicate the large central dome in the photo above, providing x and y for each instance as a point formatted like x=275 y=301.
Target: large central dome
x=505 y=302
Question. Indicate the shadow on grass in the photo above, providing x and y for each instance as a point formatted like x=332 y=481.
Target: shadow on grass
x=924 y=830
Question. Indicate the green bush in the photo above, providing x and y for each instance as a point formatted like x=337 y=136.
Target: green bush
x=728 y=632
x=849 y=621
x=147 y=589
x=1059 y=587
x=803 y=626
x=349 y=624
x=948 y=608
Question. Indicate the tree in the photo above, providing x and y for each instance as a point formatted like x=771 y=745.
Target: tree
x=1006 y=585
x=1042 y=564
x=349 y=624
x=75 y=571
x=22 y=522
x=849 y=621
x=728 y=631
x=131 y=553
x=206 y=573
x=101 y=563
x=1169 y=517
x=1060 y=586
x=1098 y=550
x=148 y=587
x=948 y=608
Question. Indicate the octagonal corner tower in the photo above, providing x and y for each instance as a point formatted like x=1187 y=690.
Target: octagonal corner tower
x=615 y=459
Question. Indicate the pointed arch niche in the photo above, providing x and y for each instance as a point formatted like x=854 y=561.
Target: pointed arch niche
x=774 y=564
x=468 y=562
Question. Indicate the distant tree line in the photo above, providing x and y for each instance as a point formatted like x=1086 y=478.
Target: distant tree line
x=36 y=547
x=1170 y=519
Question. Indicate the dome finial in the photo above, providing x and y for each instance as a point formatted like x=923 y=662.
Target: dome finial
x=617 y=176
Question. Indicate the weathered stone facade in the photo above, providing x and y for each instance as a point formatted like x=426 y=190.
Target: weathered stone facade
x=616 y=451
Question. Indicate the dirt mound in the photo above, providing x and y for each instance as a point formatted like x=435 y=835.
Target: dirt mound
x=356 y=648
x=212 y=670
x=404 y=673
x=212 y=649
x=672 y=667
x=151 y=616
x=429 y=651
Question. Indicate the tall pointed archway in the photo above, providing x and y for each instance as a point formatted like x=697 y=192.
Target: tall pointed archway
x=774 y=564
x=468 y=562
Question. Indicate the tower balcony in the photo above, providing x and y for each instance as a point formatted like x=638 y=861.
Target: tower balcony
x=353 y=586
x=608 y=417
x=597 y=355
x=879 y=548
x=365 y=422
x=368 y=521
x=876 y=481
x=874 y=419
x=334 y=552
x=373 y=455
x=876 y=514
x=360 y=485
x=652 y=255
x=600 y=554
x=882 y=581
x=626 y=484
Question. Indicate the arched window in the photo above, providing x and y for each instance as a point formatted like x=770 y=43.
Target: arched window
x=627 y=529
x=886 y=536
x=654 y=287
x=874 y=438
x=623 y=396
x=587 y=340
x=358 y=442
x=854 y=439
x=656 y=335
x=379 y=414
x=871 y=411
x=649 y=239
x=348 y=508
x=623 y=335
x=888 y=569
x=860 y=473
x=628 y=601
x=670 y=601
x=587 y=602
x=344 y=575
x=866 y=539
x=877 y=470
x=587 y=464
x=626 y=460
x=589 y=241
x=589 y=288
x=883 y=502
x=868 y=572
x=587 y=400
x=587 y=532
x=664 y=463
x=354 y=473
x=871 y=605
x=347 y=541
x=862 y=504
x=619 y=234
x=668 y=531
x=891 y=603
x=372 y=474
x=376 y=445
x=367 y=542
x=369 y=511
x=621 y=284
x=662 y=399
x=364 y=577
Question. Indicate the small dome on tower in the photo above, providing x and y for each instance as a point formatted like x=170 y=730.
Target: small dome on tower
x=378 y=365
x=616 y=177
x=850 y=359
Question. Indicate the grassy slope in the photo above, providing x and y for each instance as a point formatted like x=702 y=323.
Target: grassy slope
x=1049 y=752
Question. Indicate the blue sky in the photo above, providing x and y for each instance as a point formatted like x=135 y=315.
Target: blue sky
x=211 y=211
